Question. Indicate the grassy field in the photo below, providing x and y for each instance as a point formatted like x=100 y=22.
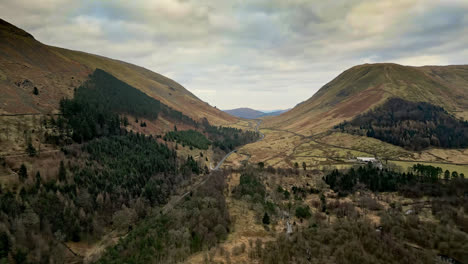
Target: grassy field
x=335 y=149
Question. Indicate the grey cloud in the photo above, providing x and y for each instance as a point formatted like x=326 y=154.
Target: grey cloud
x=231 y=53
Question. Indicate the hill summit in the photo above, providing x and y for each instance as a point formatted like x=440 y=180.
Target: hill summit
x=363 y=87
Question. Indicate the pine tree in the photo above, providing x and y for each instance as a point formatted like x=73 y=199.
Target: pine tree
x=62 y=176
x=38 y=179
x=23 y=173
x=266 y=219
x=31 y=150
x=35 y=91
x=447 y=174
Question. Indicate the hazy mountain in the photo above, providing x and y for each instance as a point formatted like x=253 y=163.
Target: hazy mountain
x=250 y=113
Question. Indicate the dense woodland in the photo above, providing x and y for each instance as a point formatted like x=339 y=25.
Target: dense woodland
x=190 y=138
x=422 y=180
x=199 y=223
x=411 y=125
x=228 y=138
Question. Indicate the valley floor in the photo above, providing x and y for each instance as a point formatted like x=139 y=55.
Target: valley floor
x=325 y=151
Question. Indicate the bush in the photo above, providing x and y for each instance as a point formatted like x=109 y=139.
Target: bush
x=303 y=212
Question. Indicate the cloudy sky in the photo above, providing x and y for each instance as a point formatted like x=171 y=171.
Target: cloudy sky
x=264 y=54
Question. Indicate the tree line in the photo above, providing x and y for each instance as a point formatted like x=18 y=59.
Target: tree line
x=228 y=138
x=423 y=179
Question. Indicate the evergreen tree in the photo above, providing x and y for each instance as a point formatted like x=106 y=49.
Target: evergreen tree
x=62 y=176
x=38 y=179
x=125 y=121
x=296 y=165
x=35 y=91
x=447 y=174
x=304 y=165
x=454 y=175
x=266 y=219
x=31 y=150
x=23 y=172
x=261 y=165
x=5 y=245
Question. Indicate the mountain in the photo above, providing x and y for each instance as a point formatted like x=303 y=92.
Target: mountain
x=250 y=113
x=276 y=112
x=28 y=66
x=363 y=87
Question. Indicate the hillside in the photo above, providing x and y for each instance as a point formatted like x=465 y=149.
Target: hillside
x=26 y=63
x=363 y=87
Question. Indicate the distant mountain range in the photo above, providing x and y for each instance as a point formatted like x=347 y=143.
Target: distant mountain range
x=250 y=113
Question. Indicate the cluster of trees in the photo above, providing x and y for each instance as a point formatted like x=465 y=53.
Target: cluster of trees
x=250 y=184
x=190 y=138
x=199 y=223
x=228 y=138
x=423 y=179
x=410 y=125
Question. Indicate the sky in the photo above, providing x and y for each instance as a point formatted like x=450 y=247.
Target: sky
x=263 y=54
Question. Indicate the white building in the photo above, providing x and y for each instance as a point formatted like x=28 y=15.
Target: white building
x=372 y=160
x=366 y=159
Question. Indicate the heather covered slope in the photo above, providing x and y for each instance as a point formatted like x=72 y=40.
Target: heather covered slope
x=363 y=87
x=26 y=63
